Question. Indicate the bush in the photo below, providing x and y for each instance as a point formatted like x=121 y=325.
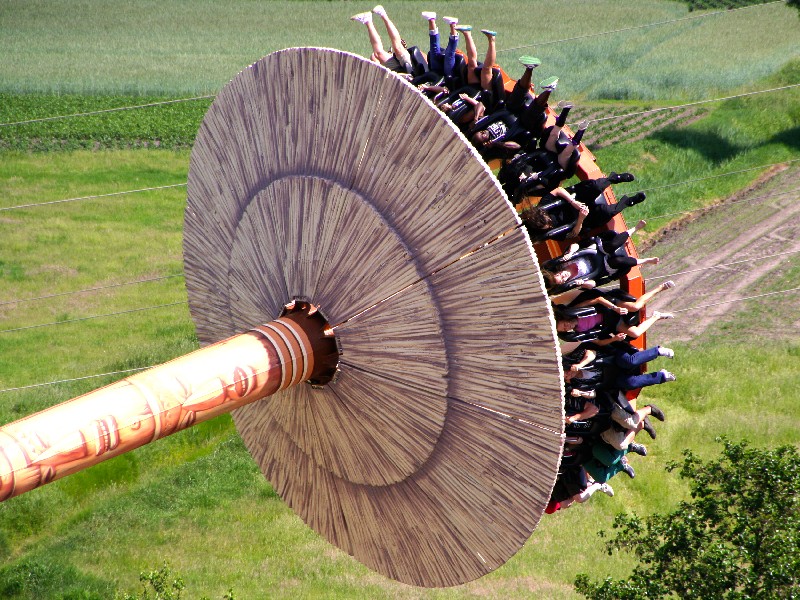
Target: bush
x=737 y=539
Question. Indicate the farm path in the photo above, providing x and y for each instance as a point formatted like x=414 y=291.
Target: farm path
x=758 y=223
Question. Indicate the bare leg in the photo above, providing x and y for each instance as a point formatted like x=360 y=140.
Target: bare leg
x=394 y=35
x=565 y=156
x=377 y=44
x=472 y=57
x=645 y=298
x=637 y=330
x=488 y=62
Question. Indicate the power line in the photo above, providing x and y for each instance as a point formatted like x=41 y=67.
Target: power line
x=656 y=24
x=688 y=181
x=149 y=189
x=174 y=185
x=24 y=387
x=723 y=204
x=35 y=385
x=106 y=110
x=663 y=108
x=124 y=312
x=738 y=262
x=93 y=289
x=735 y=300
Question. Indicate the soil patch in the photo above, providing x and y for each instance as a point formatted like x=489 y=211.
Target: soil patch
x=751 y=241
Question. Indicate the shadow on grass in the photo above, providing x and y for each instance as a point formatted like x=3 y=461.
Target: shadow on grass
x=788 y=137
x=712 y=146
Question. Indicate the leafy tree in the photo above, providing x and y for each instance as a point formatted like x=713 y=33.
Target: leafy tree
x=159 y=585
x=737 y=539
x=164 y=585
x=795 y=3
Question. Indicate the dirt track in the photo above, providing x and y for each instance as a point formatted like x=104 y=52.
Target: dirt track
x=759 y=222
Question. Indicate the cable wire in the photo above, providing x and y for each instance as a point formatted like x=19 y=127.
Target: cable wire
x=94 y=289
x=735 y=300
x=35 y=385
x=656 y=24
x=124 y=312
x=149 y=189
x=723 y=204
x=106 y=110
x=663 y=108
x=688 y=181
x=738 y=262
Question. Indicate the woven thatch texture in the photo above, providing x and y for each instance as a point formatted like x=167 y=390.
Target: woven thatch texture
x=318 y=174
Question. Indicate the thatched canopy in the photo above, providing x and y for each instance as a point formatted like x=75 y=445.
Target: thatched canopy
x=318 y=174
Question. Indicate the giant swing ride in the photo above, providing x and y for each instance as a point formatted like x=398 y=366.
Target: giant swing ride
x=370 y=312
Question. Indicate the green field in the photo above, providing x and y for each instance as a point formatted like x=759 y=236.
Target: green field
x=197 y=500
x=169 y=47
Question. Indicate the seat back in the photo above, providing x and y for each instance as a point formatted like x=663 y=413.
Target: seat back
x=418 y=62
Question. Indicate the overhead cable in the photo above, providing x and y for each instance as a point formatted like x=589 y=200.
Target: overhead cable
x=93 y=289
x=149 y=189
x=663 y=108
x=115 y=314
x=106 y=110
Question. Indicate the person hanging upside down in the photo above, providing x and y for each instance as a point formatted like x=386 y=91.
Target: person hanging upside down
x=441 y=61
x=399 y=58
x=601 y=259
x=482 y=74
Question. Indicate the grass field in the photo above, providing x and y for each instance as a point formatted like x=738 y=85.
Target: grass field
x=197 y=499
x=165 y=47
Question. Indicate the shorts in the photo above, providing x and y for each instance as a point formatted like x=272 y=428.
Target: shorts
x=614 y=438
x=624 y=418
x=400 y=64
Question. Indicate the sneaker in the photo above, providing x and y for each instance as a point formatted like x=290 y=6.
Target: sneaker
x=464 y=28
x=666 y=352
x=428 y=16
x=663 y=315
x=379 y=10
x=450 y=20
x=656 y=412
x=530 y=62
x=607 y=490
x=648 y=427
x=364 y=17
x=668 y=376
x=628 y=469
x=637 y=198
x=565 y=103
x=621 y=177
x=549 y=84
x=637 y=448
x=489 y=32
x=668 y=285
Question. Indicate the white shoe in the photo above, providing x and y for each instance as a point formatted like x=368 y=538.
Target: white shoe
x=379 y=10
x=364 y=17
x=668 y=376
x=428 y=15
x=450 y=20
x=607 y=490
x=666 y=352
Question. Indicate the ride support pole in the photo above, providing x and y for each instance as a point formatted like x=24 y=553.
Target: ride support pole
x=150 y=405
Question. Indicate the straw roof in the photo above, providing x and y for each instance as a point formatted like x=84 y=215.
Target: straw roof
x=319 y=175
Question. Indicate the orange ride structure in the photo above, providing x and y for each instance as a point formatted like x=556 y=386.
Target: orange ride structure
x=371 y=313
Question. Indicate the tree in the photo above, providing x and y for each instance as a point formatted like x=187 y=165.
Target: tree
x=738 y=538
x=795 y=3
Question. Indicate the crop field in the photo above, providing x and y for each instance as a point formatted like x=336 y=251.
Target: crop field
x=196 y=500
